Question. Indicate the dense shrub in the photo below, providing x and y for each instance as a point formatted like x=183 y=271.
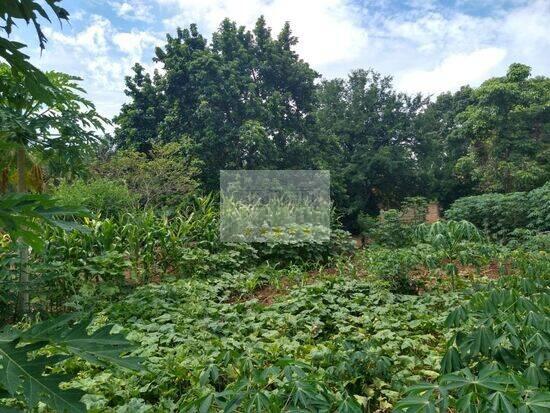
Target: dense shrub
x=390 y=230
x=529 y=240
x=500 y=214
x=539 y=208
x=79 y=269
x=162 y=177
x=104 y=196
x=310 y=252
x=395 y=265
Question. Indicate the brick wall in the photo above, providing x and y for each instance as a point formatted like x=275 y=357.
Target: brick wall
x=432 y=215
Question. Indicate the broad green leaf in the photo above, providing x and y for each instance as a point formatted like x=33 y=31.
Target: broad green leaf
x=539 y=402
x=18 y=374
x=451 y=361
x=415 y=404
x=101 y=347
x=501 y=403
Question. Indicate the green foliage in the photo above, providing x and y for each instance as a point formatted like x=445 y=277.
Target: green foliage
x=498 y=356
x=339 y=343
x=246 y=101
x=228 y=96
x=447 y=235
x=89 y=268
x=505 y=128
x=395 y=265
x=69 y=122
x=500 y=214
x=278 y=220
x=452 y=240
x=309 y=252
x=29 y=11
x=265 y=326
x=439 y=147
x=22 y=216
x=101 y=196
x=414 y=209
x=162 y=177
x=27 y=358
x=389 y=229
x=529 y=240
x=365 y=130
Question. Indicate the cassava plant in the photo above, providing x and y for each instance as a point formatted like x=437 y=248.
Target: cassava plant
x=450 y=239
x=498 y=356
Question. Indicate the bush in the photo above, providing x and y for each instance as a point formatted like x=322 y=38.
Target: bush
x=103 y=196
x=500 y=214
x=529 y=240
x=395 y=265
x=312 y=252
x=390 y=230
x=162 y=177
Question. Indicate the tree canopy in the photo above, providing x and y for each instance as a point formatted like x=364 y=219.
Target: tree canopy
x=245 y=100
x=507 y=129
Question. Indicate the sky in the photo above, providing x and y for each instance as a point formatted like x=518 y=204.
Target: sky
x=427 y=46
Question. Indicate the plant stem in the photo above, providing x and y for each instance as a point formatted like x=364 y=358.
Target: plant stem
x=23 y=296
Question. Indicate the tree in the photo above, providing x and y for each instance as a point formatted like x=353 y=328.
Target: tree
x=369 y=140
x=244 y=99
x=163 y=176
x=508 y=131
x=440 y=147
x=68 y=123
x=139 y=119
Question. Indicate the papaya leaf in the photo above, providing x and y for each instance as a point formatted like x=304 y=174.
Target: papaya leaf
x=21 y=375
x=101 y=347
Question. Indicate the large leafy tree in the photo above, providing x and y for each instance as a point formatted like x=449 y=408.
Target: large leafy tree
x=369 y=141
x=244 y=100
x=508 y=132
x=439 y=147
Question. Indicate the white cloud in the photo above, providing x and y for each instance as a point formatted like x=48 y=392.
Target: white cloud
x=433 y=52
x=336 y=36
x=427 y=48
x=454 y=71
x=102 y=55
x=134 y=10
x=329 y=31
x=93 y=39
x=135 y=43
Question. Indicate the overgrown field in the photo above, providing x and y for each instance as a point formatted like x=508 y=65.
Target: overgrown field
x=297 y=327
x=142 y=271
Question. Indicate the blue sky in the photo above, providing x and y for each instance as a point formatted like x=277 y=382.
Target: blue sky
x=428 y=46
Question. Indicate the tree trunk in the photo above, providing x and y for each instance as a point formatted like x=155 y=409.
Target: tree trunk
x=23 y=306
